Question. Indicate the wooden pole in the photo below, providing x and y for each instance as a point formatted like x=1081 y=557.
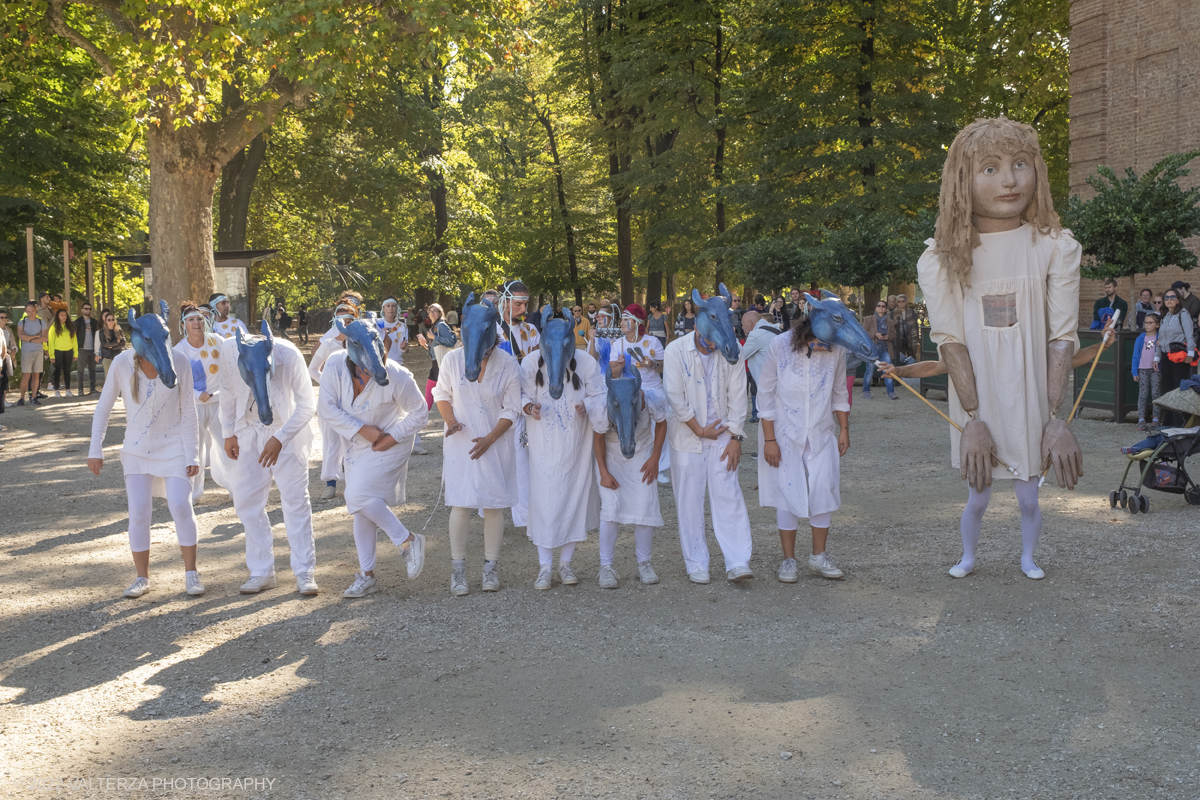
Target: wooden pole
x=112 y=301
x=91 y=283
x=29 y=258
x=67 y=274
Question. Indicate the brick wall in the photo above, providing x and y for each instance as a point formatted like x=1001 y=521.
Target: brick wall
x=1135 y=97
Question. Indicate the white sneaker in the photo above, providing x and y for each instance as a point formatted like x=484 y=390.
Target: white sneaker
x=699 y=576
x=57 y=393
x=491 y=579
x=257 y=583
x=458 y=582
x=1035 y=574
x=306 y=583
x=51 y=387
x=363 y=585
x=787 y=571
x=823 y=565
x=328 y=492
x=543 y=579
x=664 y=478
x=192 y=584
x=646 y=573
x=567 y=575
x=419 y=448
x=739 y=574
x=957 y=571
x=70 y=393
x=138 y=588
x=609 y=579
x=414 y=555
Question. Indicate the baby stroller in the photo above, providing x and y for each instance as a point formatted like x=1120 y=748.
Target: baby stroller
x=1163 y=467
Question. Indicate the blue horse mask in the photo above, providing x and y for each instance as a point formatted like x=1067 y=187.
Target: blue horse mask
x=624 y=406
x=557 y=352
x=832 y=323
x=151 y=340
x=479 y=335
x=365 y=347
x=715 y=325
x=256 y=363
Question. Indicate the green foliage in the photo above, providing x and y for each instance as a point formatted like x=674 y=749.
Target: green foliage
x=1134 y=225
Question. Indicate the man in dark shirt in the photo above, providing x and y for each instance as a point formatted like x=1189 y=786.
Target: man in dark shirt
x=1189 y=301
x=1111 y=300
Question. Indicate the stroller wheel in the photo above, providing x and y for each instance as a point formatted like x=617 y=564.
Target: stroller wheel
x=1122 y=499
x=1112 y=499
x=1143 y=504
x=1192 y=496
x=1133 y=504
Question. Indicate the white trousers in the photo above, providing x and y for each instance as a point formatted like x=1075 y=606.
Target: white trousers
x=250 y=488
x=691 y=474
x=141 y=509
x=520 y=512
x=209 y=426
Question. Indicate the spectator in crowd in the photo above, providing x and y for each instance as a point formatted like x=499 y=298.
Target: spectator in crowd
x=779 y=313
x=891 y=303
x=795 y=306
x=735 y=316
x=302 y=323
x=8 y=349
x=905 y=333
x=285 y=322
x=1159 y=308
x=685 y=320
x=225 y=323
x=45 y=312
x=86 y=331
x=1144 y=306
x=33 y=333
x=591 y=314
x=1189 y=301
x=1175 y=336
x=583 y=328
x=437 y=326
x=112 y=340
x=760 y=304
x=1111 y=300
x=452 y=317
x=1147 y=377
x=656 y=323
x=65 y=348
x=879 y=328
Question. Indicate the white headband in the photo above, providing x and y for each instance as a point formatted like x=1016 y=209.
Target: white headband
x=195 y=312
x=218 y=299
x=390 y=300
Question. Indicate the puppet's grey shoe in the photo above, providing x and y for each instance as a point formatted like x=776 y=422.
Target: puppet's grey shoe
x=414 y=555
x=699 y=576
x=458 y=582
x=306 y=584
x=646 y=573
x=328 y=492
x=419 y=449
x=491 y=578
x=138 y=588
x=543 y=579
x=257 y=584
x=567 y=575
x=192 y=583
x=787 y=571
x=664 y=478
x=609 y=579
x=823 y=565
x=739 y=574
x=1035 y=574
x=957 y=571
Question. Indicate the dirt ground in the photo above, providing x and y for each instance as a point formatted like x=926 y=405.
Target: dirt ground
x=898 y=682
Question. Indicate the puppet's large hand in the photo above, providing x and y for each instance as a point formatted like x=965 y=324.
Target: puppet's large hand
x=1061 y=449
x=977 y=455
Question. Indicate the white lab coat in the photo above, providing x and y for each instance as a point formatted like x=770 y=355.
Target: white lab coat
x=683 y=377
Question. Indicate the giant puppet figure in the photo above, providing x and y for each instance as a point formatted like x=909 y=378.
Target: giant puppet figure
x=1001 y=283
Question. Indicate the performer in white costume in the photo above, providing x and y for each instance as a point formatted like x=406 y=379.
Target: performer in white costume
x=395 y=345
x=706 y=390
x=158 y=456
x=375 y=406
x=266 y=404
x=479 y=461
x=349 y=307
x=564 y=501
x=203 y=351
x=517 y=339
x=225 y=324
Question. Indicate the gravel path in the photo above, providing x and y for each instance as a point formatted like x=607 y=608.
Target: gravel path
x=895 y=683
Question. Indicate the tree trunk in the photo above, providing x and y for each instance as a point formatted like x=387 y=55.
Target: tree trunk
x=237 y=186
x=670 y=309
x=182 y=182
x=572 y=265
x=719 y=155
x=618 y=164
x=866 y=117
x=654 y=282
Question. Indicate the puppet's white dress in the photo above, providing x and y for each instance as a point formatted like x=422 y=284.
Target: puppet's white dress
x=799 y=393
x=1023 y=294
x=398 y=408
x=564 y=503
x=633 y=502
x=489 y=481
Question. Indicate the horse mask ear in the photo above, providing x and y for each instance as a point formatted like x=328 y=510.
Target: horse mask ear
x=547 y=315
x=828 y=295
x=470 y=301
x=696 y=298
x=166 y=310
x=723 y=292
x=132 y=318
x=265 y=327
x=341 y=328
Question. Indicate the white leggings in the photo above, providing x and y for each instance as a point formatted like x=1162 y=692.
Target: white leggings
x=565 y=553
x=643 y=535
x=141 y=509
x=375 y=514
x=493 y=532
x=787 y=521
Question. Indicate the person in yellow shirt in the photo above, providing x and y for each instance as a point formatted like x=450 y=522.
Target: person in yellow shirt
x=64 y=347
x=582 y=327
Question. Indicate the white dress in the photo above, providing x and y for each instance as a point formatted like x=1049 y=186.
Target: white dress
x=161 y=434
x=634 y=502
x=564 y=503
x=490 y=481
x=332 y=445
x=1024 y=294
x=653 y=349
x=207 y=358
x=398 y=409
x=799 y=393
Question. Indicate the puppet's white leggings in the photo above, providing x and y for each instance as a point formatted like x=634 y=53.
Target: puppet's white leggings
x=493 y=532
x=787 y=521
x=643 y=535
x=546 y=554
x=1031 y=522
x=375 y=514
x=141 y=509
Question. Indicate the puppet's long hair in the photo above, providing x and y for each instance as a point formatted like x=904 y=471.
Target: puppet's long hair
x=955 y=235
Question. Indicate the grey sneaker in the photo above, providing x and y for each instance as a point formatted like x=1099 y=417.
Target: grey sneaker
x=543 y=579
x=787 y=571
x=419 y=449
x=609 y=579
x=138 y=588
x=458 y=582
x=491 y=579
x=257 y=583
x=192 y=584
x=646 y=573
x=363 y=585
x=699 y=576
x=306 y=584
x=566 y=575
x=327 y=492
x=414 y=555
x=739 y=574
x=823 y=565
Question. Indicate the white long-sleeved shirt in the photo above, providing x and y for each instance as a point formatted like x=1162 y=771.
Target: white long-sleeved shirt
x=799 y=393
x=397 y=409
x=684 y=379
x=757 y=341
x=293 y=401
x=328 y=346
